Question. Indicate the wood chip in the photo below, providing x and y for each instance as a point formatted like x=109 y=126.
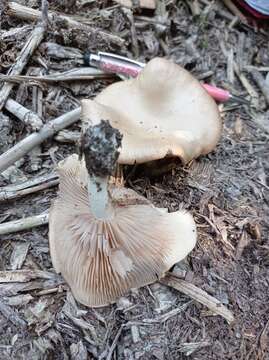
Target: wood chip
x=18 y=255
x=191 y=347
x=12 y=315
x=24 y=275
x=143 y=4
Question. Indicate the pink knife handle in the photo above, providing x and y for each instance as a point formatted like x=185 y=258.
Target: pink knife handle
x=119 y=66
x=218 y=94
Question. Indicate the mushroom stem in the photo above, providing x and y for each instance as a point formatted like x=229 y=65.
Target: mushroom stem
x=100 y=144
x=99 y=199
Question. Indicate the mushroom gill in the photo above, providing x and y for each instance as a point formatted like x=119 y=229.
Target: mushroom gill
x=106 y=239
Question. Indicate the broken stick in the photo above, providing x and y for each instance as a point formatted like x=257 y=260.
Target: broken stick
x=28 y=187
x=86 y=73
x=23 y=276
x=199 y=295
x=23 y=224
x=26 y=116
x=34 y=139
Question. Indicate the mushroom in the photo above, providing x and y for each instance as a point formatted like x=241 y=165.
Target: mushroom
x=163 y=112
x=105 y=239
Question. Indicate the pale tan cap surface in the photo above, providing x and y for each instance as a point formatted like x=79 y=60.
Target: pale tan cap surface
x=102 y=260
x=163 y=112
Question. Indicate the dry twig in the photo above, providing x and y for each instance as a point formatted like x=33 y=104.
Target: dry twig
x=24 y=224
x=199 y=295
x=13 y=33
x=86 y=73
x=28 y=143
x=28 y=187
x=28 y=184
x=260 y=81
x=231 y=6
x=244 y=81
x=22 y=276
x=28 y=117
x=114 y=343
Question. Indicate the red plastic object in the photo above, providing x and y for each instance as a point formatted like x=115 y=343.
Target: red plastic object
x=254 y=13
x=218 y=94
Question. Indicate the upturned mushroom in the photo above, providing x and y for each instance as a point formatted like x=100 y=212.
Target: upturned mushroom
x=163 y=112
x=106 y=239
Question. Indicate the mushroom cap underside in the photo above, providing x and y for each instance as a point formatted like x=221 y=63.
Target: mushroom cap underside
x=102 y=260
x=163 y=112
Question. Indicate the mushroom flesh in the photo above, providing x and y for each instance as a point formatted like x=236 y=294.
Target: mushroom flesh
x=163 y=112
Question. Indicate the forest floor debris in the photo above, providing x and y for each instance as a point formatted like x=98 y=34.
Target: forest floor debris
x=227 y=191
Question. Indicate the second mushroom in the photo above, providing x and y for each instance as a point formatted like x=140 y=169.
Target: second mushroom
x=163 y=112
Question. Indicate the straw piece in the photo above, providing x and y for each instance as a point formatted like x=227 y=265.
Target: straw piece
x=86 y=73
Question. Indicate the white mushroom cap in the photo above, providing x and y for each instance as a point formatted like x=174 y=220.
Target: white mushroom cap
x=103 y=259
x=163 y=112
